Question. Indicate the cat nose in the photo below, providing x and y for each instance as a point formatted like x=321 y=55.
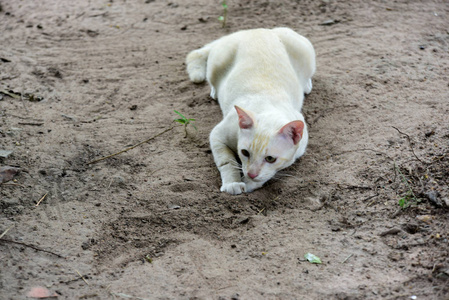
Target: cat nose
x=252 y=175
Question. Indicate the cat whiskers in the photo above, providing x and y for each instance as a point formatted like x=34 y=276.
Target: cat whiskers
x=236 y=165
x=281 y=175
x=239 y=167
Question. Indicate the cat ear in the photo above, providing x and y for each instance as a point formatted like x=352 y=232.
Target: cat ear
x=245 y=121
x=293 y=130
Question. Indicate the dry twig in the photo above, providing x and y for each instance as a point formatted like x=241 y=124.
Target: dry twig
x=370 y=197
x=31 y=123
x=42 y=199
x=363 y=149
x=32 y=247
x=411 y=147
x=132 y=147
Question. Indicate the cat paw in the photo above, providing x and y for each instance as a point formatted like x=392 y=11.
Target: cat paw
x=252 y=185
x=213 y=93
x=308 y=87
x=197 y=76
x=233 y=188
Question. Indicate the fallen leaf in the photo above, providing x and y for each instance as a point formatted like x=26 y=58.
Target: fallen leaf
x=7 y=173
x=312 y=258
x=424 y=218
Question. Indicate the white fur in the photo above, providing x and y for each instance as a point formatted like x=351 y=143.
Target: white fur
x=266 y=73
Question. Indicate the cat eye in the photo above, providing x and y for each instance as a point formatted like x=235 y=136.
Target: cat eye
x=245 y=152
x=270 y=159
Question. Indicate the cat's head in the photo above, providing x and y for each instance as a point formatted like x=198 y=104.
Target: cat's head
x=264 y=148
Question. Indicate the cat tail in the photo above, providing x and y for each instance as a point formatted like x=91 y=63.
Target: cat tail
x=197 y=62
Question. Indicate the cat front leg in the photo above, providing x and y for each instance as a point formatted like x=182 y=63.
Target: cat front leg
x=226 y=163
x=229 y=170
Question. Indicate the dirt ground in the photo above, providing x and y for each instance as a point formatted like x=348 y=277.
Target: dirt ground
x=80 y=80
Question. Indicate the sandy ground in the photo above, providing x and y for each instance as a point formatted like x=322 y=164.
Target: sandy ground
x=84 y=79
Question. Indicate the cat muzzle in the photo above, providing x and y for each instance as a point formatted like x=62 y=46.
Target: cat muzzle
x=252 y=175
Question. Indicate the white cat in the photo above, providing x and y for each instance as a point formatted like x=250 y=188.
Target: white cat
x=259 y=77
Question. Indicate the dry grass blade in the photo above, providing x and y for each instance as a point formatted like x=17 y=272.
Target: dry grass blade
x=346 y=259
x=4 y=232
x=82 y=277
x=123 y=295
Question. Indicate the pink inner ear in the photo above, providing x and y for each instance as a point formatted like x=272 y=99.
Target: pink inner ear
x=245 y=121
x=293 y=130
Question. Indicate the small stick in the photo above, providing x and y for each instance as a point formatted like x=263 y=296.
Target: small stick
x=89 y=296
x=23 y=102
x=132 y=147
x=43 y=197
x=10 y=94
x=4 y=232
x=154 y=171
x=82 y=277
x=410 y=144
x=30 y=123
x=372 y=202
x=127 y=296
x=370 y=197
x=32 y=247
x=390 y=231
x=10 y=183
x=346 y=259
x=260 y=211
x=396 y=213
x=347 y=185
x=110 y=183
x=364 y=149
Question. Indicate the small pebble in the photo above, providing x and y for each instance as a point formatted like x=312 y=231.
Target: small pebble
x=433 y=199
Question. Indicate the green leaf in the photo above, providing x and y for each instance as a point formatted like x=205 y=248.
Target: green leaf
x=148 y=259
x=220 y=18
x=312 y=258
x=185 y=121
x=182 y=116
